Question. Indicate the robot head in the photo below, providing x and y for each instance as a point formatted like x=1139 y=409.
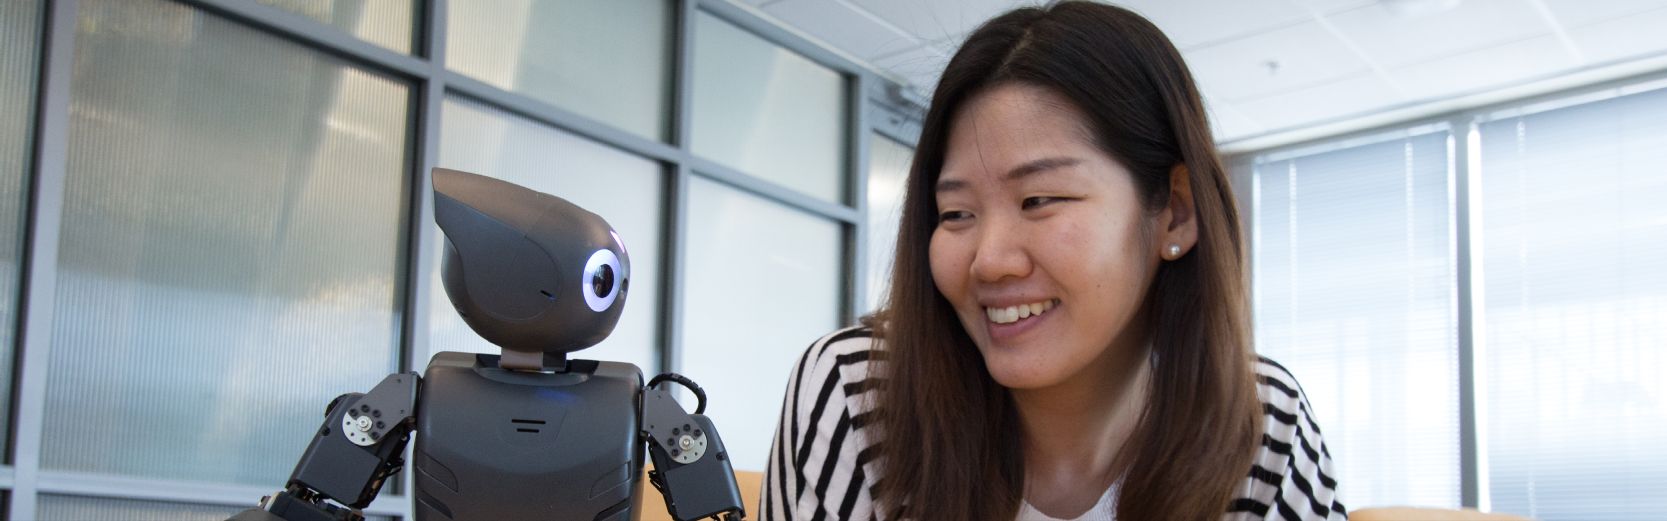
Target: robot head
x=528 y=271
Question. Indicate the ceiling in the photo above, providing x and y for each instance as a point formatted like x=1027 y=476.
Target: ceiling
x=1275 y=71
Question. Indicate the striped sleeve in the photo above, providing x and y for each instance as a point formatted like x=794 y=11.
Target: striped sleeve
x=1292 y=478
x=819 y=456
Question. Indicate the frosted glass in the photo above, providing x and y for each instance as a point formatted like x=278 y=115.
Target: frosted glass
x=888 y=171
x=606 y=60
x=1354 y=293
x=1574 y=352
x=231 y=251
x=20 y=23
x=77 y=508
x=387 y=23
x=622 y=188
x=767 y=111
x=763 y=281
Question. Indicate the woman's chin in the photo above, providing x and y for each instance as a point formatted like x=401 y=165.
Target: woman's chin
x=1021 y=374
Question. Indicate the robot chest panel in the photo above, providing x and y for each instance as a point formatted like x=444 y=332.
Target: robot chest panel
x=532 y=444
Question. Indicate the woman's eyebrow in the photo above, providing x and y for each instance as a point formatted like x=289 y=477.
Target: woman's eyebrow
x=1040 y=165
x=1032 y=167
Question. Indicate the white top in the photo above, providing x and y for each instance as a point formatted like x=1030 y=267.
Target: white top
x=1104 y=510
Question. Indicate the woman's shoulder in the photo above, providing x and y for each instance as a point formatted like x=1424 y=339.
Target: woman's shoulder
x=846 y=352
x=822 y=452
x=1278 y=388
x=1293 y=472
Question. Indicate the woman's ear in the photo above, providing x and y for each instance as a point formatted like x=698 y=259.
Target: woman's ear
x=1178 y=221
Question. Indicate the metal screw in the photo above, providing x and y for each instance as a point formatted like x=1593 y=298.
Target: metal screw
x=686 y=443
x=363 y=424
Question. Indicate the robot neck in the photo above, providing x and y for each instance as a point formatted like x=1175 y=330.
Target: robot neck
x=525 y=361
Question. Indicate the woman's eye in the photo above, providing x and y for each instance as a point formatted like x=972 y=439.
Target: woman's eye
x=954 y=215
x=1038 y=201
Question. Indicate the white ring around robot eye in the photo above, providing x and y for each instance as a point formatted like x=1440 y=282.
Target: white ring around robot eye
x=604 y=257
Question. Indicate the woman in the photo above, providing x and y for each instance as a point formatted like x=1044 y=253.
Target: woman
x=1067 y=335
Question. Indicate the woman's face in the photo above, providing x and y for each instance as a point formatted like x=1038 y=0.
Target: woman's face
x=1042 y=245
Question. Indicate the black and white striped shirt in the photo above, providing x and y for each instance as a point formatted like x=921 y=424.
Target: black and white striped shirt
x=822 y=463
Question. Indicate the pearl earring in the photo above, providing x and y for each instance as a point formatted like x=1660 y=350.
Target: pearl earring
x=1173 y=252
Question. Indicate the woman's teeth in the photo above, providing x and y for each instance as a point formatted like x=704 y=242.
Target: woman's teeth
x=1011 y=314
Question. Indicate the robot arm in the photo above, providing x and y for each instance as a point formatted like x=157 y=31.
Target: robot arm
x=691 y=469
x=351 y=456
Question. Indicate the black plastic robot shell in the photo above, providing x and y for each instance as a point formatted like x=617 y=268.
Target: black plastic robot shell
x=537 y=273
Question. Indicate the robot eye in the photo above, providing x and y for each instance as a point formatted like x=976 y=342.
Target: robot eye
x=601 y=281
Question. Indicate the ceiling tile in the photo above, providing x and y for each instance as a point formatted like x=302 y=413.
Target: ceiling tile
x=1332 y=6
x=842 y=26
x=1479 y=70
x=1227 y=123
x=1305 y=53
x=1394 y=40
x=1191 y=23
x=1576 y=13
x=921 y=65
x=938 y=20
x=1633 y=36
x=1351 y=96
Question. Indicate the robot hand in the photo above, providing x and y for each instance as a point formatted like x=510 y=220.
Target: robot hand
x=351 y=455
x=691 y=469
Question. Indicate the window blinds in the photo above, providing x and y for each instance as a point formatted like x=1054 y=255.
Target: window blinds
x=1353 y=271
x=1573 y=347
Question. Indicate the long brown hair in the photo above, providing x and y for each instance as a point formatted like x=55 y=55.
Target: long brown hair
x=949 y=443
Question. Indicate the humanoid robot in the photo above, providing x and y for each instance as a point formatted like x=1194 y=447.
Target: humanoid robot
x=528 y=434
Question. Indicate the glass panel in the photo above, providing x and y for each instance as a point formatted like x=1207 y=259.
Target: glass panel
x=1354 y=293
x=387 y=23
x=77 y=508
x=622 y=188
x=1574 y=351
x=767 y=111
x=763 y=282
x=231 y=250
x=20 y=23
x=610 y=61
x=888 y=171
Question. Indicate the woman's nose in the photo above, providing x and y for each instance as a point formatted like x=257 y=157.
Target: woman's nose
x=1000 y=253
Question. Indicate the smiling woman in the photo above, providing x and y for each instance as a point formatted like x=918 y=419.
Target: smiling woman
x=1066 y=334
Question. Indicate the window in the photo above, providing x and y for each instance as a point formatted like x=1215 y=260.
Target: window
x=1356 y=289
x=763 y=282
x=1354 y=294
x=1574 y=351
x=232 y=246
x=768 y=111
x=609 y=61
x=20 y=24
x=888 y=173
x=387 y=23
